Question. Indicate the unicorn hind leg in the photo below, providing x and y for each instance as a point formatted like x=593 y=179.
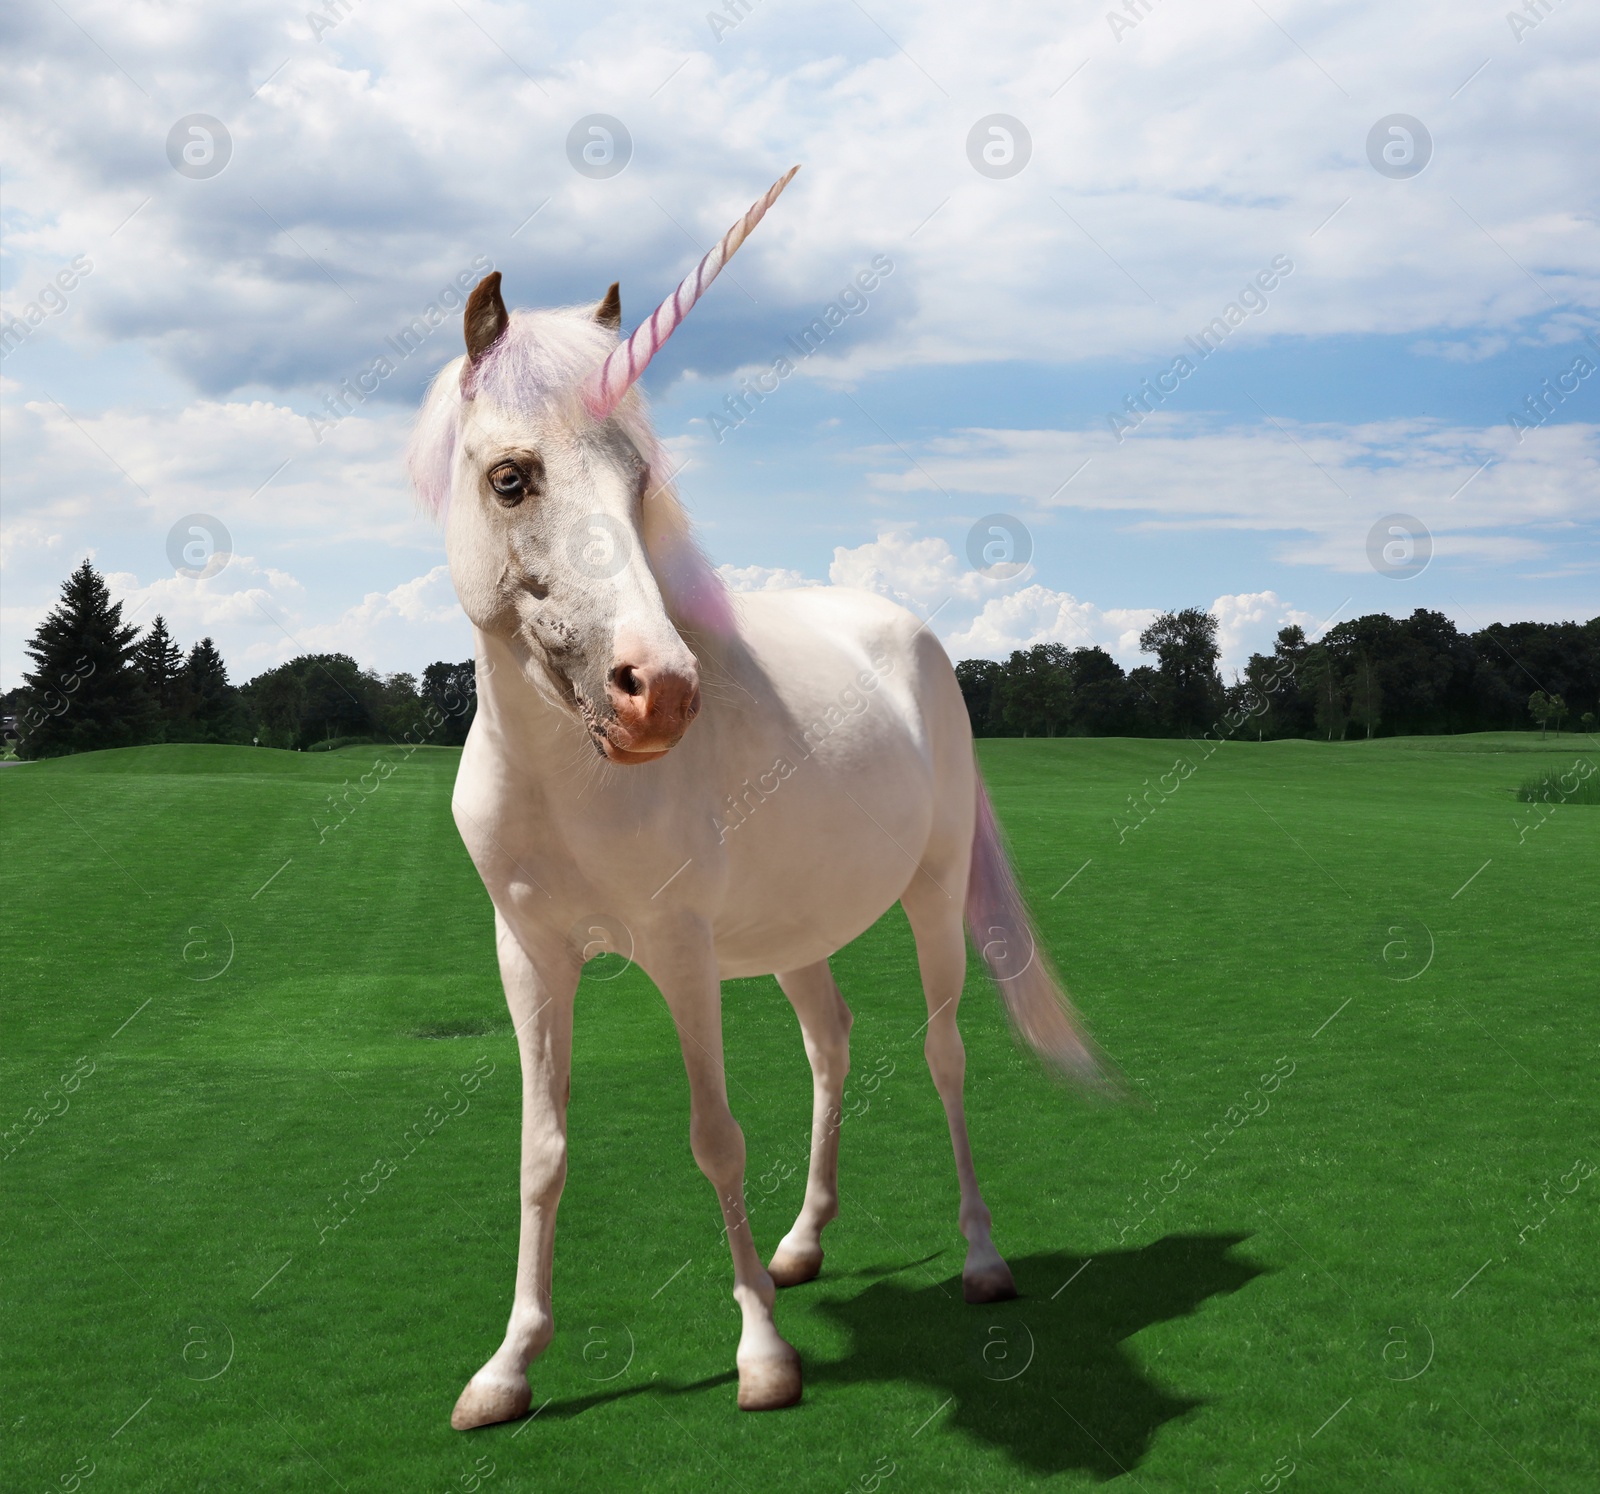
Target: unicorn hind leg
x=936 y=921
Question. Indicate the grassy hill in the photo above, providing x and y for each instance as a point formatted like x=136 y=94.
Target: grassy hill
x=1375 y=1264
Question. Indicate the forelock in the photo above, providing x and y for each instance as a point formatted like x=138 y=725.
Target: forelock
x=535 y=367
x=538 y=366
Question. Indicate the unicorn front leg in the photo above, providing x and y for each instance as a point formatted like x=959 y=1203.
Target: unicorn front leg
x=541 y=1011
x=825 y=1025
x=769 y=1370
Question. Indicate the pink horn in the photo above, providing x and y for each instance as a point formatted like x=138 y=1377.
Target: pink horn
x=603 y=390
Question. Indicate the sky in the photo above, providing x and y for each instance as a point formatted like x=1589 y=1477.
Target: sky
x=1285 y=310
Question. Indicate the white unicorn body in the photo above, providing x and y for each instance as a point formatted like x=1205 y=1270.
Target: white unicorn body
x=828 y=774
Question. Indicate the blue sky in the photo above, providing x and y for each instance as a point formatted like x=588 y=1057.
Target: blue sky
x=376 y=153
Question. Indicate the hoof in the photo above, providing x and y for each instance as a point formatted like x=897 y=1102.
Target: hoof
x=991 y=1283
x=770 y=1383
x=791 y=1264
x=484 y=1402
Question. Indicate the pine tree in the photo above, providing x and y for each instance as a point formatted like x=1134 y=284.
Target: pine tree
x=213 y=703
x=84 y=692
x=159 y=659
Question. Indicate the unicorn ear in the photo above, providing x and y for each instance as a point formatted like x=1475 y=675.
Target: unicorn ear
x=609 y=312
x=486 y=318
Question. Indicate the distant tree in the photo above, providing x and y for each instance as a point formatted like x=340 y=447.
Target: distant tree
x=1036 y=690
x=1278 y=680
x=1366 y=695
x=1426 y=673
x=1539 y=709
x=452 y=691
x=1145 y=716
x=84 y=692
x=979 y=680
x=1405 y=676
x=275 y=705
x=213 y=703
x=1099 y=693
x=1563 y=657
x=159 y=660
x=311 y=699
x=1324 y=684
x=1190 y=688
x=396 y=704
x=1546 y=708
x=1587 y=722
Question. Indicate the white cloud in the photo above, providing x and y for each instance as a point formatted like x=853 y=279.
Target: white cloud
x=241 y=598
x=25 y=535
x=763 y=578
x=397 y=628
x=372 y=167
x=913 y=571
x=1038 y=614
x=260 y=616
x=1249 y=621
x=308 y=522
x=253 y=464
x=1321 y=485
x=1178 y=159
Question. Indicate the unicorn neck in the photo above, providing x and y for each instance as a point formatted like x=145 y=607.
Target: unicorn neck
x=510 y=707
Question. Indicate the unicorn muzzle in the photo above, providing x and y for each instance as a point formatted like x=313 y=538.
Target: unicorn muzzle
x=651 y=706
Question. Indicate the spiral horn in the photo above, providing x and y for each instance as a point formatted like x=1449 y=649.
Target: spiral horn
x=603 y=390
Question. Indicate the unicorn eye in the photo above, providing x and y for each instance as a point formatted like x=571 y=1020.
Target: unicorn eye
x=511 y=482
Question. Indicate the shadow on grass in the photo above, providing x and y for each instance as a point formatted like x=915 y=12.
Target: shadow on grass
x=1044 y=1378
x=577 y=1405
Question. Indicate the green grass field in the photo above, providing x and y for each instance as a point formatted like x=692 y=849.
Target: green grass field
x=1379 y=1273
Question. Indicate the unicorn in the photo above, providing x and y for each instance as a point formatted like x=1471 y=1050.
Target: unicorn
x=730 y=786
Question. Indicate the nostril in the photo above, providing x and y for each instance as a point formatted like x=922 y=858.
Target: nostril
x=626 y=678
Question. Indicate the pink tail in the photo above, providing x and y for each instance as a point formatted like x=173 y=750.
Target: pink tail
x=1003 y=932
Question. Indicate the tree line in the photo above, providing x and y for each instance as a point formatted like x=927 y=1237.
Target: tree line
x=97 y=682
x=1373 y=676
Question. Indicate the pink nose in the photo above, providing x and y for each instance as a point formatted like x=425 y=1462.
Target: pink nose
x=653 y=704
